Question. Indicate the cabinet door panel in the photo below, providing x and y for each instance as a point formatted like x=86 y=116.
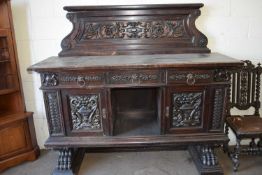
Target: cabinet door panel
x=14 y=139
x=85 y=112
x=186 y=109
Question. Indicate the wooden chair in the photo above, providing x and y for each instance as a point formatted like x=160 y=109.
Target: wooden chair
x=245 y=93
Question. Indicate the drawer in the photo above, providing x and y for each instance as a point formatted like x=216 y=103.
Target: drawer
x=189 y=77
x=135 y=77
x=73 y=80
x=82 y=80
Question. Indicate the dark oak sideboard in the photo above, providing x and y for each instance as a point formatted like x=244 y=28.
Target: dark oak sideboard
x=135 y=78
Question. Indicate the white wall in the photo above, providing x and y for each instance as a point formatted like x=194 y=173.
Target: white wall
x=233 y=27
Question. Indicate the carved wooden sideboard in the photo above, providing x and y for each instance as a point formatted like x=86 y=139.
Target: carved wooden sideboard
x=135 y=78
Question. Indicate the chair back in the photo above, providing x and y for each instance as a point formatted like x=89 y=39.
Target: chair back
x=245 y=87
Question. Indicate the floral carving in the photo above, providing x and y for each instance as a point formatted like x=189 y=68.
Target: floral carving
x=183 y=76
x=187 y=109
x=129 y=30
x=49 y=79
x=222 y=75
x=85 y=112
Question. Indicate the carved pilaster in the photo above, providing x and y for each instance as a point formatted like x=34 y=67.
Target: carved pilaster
x=53 y=112
x=218 y=109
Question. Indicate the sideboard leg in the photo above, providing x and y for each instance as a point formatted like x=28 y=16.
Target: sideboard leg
x=205 y=159
x=69 y=161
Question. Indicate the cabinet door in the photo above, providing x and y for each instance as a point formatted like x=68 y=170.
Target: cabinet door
x=186 y=109
x=85 y=112
x=8 y=74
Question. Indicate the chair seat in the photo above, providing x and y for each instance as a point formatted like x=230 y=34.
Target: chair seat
x=245 y=125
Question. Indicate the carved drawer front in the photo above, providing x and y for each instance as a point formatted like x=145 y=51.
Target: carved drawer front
x=85 y=112
x=189 y=77
x=185 y=110
x=54 y=112
x=76 y=80
x=136 y=77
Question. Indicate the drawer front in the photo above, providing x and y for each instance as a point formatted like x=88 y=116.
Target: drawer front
x=189 y=77
x=82 y=79
x=91 y=79
x=72 y=80
x=135 y=77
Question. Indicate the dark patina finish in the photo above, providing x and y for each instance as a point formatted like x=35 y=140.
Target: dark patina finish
x=135 y=78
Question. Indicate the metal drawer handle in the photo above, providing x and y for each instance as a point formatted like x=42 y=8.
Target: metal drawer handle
x=81 y=81
x=190 y=79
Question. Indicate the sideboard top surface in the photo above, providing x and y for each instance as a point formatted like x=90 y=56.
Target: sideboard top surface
x=134 y=61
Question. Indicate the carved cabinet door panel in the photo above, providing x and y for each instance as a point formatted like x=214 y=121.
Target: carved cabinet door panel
x=85 y=112
x=186 y=109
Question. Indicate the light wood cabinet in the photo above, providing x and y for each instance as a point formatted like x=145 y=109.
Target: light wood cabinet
x=17 y=133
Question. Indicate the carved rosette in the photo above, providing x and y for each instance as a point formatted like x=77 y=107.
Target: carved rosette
x=49 y=79
x=85 y=112
x=187 y=109
x=218 y=109
x=222 y=75
x=54 y=113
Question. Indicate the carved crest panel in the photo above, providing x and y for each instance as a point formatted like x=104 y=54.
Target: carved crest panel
x=187 y=109
x=134 y=29
x=117 y=31
x=85 y=112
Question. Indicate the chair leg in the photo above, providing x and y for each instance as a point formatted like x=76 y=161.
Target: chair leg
x=225 y=145
x=253 y=147
x=259 y=145
x=235 y=155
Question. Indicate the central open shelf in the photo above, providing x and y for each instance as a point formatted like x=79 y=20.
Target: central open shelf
x=135 y=111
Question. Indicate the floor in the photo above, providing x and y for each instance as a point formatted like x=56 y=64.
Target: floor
x=136 y=163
